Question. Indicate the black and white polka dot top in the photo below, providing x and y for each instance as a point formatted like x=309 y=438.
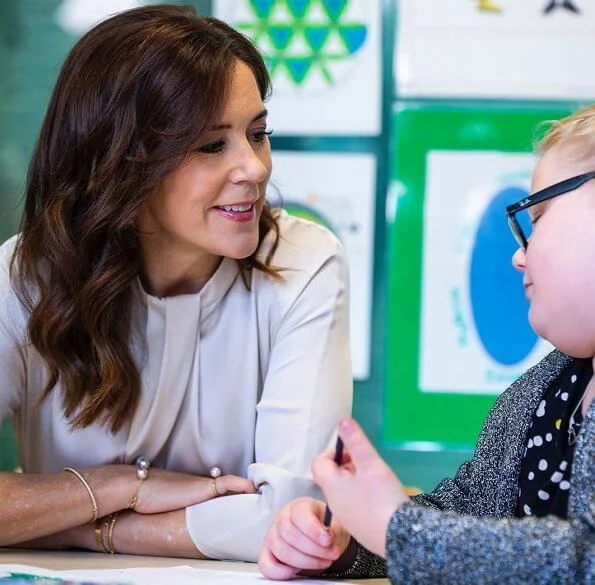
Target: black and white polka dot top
x=545 y=477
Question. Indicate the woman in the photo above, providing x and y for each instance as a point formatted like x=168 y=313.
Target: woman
x=154 y=306
x=523 y=509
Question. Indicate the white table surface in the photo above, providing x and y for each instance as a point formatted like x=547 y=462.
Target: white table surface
x=82 y=560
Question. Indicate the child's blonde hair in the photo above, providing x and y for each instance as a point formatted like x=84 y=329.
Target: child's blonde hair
x=576 y=130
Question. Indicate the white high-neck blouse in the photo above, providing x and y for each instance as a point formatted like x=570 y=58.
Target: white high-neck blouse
x=250 y=380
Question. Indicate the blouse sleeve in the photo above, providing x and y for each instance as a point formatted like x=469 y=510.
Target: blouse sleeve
x=309 y=385
x=307 y=389
x=12 y=339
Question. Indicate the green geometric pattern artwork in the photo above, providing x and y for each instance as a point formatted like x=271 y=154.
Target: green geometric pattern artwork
x=302 y=39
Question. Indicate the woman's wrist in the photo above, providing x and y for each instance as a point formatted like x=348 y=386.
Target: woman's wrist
x=114 y=487
x=162 y=534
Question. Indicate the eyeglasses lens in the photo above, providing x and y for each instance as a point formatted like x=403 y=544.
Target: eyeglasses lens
x=524 y=224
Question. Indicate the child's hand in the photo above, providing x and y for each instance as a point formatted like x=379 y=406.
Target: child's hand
x=296 y=541
x=363 y=493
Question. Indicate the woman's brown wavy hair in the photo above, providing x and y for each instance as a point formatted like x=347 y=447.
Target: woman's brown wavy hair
x=132 y=100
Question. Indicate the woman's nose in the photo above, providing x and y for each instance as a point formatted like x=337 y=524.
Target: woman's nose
x=250 y=166
x=519 y=260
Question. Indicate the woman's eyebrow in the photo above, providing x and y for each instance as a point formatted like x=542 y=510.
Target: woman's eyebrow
x=263 y=114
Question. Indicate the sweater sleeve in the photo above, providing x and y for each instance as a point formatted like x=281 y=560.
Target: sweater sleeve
x=488 y=483
x=482 y=487
x=425 y=545
x=465 y=530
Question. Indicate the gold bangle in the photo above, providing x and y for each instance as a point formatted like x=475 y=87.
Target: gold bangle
x=109 y=524
x=142 y=472
x=99 y=536
x=88 y=488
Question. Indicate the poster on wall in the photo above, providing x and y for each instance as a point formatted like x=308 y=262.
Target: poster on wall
x=534 y=49
x=475 y=336
x=76 y=17
x=324 y=58
x=337 y=190
x=457 y=330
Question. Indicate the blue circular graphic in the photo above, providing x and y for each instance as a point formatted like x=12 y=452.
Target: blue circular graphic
x=498 y=304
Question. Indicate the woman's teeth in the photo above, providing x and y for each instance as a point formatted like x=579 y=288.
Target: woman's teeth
x=236 y=207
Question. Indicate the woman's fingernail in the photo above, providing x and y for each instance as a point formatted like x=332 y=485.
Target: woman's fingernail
x=325 y=538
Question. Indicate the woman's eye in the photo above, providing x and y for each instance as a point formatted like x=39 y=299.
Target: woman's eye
x=212 y=147
x=260 y=135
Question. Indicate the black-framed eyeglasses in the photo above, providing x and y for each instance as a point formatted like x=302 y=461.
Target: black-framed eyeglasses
x=521 y=226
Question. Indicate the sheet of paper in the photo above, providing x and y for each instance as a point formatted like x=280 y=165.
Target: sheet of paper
x=182 y=575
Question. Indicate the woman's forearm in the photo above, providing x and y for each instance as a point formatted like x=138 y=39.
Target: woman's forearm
x=36 y=505
x=154 y=534
x=162 y=534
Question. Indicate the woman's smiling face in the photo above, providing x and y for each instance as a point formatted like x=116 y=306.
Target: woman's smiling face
x=210 y=206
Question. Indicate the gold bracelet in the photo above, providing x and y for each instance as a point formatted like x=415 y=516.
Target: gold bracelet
x=88 y=488
x=142 y=472
x=99 y=536
x=109 y=523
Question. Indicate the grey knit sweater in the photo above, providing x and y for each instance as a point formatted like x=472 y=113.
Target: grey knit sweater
x=465 y=530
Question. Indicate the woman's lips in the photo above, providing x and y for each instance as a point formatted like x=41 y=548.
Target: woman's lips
x=239 y=216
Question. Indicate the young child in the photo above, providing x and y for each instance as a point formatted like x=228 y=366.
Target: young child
x=522 y=509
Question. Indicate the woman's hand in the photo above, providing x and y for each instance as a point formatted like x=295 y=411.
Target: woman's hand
x=296 y=541
x=363 y=493
x=157 y=526
x=33 y=506
x=164 y=491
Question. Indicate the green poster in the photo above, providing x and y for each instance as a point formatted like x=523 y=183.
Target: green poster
x=457 y=329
